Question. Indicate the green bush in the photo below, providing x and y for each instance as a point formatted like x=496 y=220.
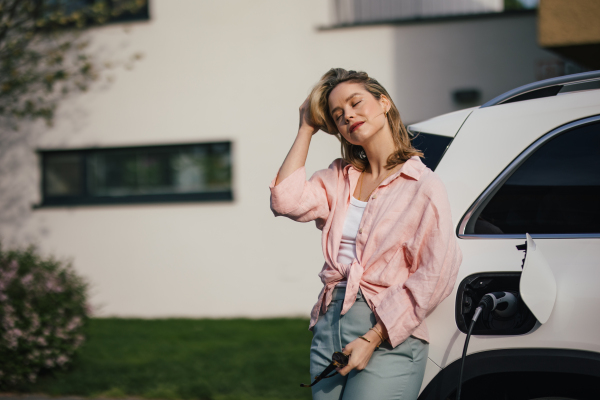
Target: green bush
x=43 y=313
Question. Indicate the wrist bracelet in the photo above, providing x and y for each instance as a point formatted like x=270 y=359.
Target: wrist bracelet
x=364 y=338
x=378 y=334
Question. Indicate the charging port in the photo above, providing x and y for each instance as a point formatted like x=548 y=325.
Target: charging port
x=474 y=287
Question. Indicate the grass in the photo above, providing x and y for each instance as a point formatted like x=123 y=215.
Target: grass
x=203 y=359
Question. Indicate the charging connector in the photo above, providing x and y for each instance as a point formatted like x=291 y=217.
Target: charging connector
x=505 y=303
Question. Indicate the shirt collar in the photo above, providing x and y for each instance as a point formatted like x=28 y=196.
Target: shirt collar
x=413 y=168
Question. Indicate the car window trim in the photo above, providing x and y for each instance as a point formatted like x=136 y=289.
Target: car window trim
x=503 y=176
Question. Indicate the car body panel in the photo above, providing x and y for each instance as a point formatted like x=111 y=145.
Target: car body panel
x=431 y=370
x=470 y=165
x=574 y=264
x=488 y=141
x=443 y=125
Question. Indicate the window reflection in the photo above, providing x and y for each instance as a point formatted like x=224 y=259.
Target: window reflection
x=63 y=175
x=432 y=146
x=556 y=190
x=139 y=173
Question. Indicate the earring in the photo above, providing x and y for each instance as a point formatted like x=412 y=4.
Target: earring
x=358 y=151
x=386 y=113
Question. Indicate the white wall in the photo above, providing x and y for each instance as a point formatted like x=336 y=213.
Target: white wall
x=231 y=70
x=493 y=55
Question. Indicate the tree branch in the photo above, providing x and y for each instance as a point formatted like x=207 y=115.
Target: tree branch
x=11 y=14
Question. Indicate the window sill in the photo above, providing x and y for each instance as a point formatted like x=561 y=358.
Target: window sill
x=224 y=196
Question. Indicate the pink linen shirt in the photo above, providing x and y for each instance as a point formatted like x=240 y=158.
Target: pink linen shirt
x=407 y=255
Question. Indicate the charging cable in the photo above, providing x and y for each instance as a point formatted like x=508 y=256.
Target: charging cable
x=505 y=304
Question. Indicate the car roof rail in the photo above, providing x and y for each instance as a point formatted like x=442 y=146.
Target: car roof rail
x=546 y=88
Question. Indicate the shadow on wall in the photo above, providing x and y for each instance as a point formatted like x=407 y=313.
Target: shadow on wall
x=19 y=182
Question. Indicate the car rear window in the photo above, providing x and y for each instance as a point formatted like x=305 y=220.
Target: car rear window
x=432 y=146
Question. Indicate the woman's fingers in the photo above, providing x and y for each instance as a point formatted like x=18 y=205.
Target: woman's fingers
x=360 y=353
x=304 y=119
x=302 y=110
x=351 y=365
x=346 y=370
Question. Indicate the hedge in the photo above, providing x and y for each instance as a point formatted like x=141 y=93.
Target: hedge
x=43 y=315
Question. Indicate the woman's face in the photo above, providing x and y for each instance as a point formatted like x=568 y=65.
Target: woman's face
x=357 y=114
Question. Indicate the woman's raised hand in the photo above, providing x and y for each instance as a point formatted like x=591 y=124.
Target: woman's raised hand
x=299 y=151
x=305 y=123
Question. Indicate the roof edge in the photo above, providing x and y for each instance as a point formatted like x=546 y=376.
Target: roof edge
x=434 y=19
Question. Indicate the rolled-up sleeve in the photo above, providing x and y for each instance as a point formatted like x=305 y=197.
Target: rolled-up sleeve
x=434 y=258
x=301 y=200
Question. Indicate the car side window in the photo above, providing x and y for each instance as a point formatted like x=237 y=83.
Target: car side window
x=556 y=190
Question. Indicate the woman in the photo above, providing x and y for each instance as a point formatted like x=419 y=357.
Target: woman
x=390 y=251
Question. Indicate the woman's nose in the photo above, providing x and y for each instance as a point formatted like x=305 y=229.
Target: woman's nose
x=349 y=116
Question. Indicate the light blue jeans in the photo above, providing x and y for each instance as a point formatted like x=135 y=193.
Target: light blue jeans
x=392 y=373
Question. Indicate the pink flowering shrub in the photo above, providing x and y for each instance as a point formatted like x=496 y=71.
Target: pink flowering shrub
x=43 y=313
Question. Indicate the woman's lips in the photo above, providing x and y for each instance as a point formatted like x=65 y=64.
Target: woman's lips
x=355 y=126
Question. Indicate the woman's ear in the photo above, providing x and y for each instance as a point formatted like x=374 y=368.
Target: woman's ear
x=385 y=103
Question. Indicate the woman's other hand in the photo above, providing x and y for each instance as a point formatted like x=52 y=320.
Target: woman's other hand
x=305 y=123
x=360 y=352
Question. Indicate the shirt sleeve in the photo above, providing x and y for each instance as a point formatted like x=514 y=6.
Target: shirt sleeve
x=302 y=200
x=434 y=258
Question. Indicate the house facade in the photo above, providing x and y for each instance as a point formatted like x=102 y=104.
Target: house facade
x=155 y=182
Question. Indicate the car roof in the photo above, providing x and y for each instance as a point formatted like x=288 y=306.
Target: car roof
x=545 y=88
x=449 y=124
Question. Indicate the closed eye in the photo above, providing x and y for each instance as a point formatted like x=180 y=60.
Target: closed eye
x=355 y=104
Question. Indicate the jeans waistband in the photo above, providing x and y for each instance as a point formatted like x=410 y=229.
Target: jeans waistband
x=339 y=293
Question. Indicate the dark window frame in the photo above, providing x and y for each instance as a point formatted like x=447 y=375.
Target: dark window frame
x=475 y=208
x=86 y=199
x=421 y=19
x=142 y=14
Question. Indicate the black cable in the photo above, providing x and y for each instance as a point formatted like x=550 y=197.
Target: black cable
x=464 y=354
x=487 y=304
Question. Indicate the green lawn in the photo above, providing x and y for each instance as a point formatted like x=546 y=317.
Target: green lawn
x=189 y=359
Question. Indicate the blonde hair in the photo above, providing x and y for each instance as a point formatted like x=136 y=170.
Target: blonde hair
x=321 y=117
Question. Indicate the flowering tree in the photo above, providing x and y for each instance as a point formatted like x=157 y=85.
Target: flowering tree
x=43 y=56
x=43 y=311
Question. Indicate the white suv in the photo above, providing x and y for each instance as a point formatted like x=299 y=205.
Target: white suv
x=522 y=168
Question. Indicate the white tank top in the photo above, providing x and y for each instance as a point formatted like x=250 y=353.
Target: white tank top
x=347 y=251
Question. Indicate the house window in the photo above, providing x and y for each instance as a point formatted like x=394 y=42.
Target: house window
x=194 y=172
x=117 y=10
x=358 y=12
